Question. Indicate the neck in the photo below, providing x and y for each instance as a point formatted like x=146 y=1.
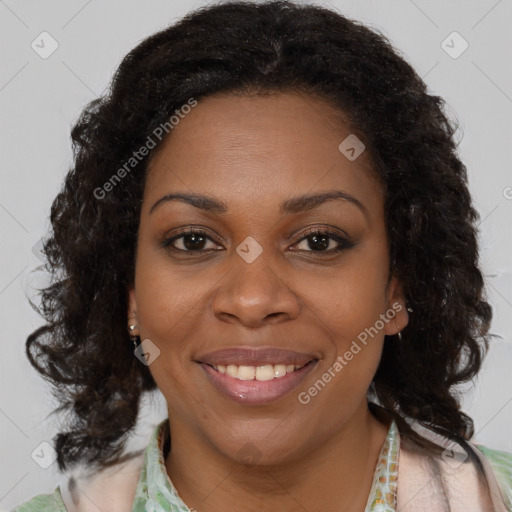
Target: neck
x=337 y=475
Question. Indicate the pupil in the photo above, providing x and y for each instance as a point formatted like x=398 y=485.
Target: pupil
x=321 y=241
x=196 y=241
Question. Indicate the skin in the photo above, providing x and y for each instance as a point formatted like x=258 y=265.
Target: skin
x=254 y=152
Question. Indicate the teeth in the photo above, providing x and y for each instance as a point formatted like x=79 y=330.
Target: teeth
x=261 y=373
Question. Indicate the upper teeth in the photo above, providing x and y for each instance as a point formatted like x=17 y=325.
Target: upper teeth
x=266 y=372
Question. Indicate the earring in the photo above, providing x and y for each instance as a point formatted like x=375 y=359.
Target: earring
x=133 y=331
x=399 y=333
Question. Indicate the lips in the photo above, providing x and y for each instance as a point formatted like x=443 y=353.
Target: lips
x=255 y=392
x=243 y=356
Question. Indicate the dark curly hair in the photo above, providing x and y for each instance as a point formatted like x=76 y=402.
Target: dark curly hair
x=237 y=47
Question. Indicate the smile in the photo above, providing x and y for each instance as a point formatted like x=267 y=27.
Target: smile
x=256 y=385
x=260 y=373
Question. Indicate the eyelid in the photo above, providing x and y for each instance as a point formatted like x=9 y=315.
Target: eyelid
x=325 y=228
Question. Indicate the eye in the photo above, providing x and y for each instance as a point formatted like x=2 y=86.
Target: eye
x=322 y=241
x=190 y=240
x=195 y=240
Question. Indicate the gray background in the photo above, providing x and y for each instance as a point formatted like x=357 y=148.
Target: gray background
x=41 y=98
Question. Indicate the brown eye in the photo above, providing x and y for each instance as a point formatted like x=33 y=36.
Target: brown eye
x=319 y=241
x=190 y=240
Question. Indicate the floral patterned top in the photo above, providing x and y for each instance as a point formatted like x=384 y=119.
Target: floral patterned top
x=155 y=491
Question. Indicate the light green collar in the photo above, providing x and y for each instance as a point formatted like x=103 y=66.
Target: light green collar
x=155 y=491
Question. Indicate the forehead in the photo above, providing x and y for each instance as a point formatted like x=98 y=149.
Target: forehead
x=251 y=146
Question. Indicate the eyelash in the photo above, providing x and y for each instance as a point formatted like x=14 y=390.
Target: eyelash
x=344 y=243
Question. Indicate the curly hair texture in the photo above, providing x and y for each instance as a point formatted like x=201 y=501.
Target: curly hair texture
x=237 y=47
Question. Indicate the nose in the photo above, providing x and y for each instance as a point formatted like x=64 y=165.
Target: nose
x=256 y=293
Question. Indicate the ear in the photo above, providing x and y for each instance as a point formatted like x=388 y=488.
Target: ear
x=396 y=303
x=132 y=303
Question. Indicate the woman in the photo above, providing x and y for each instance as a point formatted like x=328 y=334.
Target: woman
x=269 y=205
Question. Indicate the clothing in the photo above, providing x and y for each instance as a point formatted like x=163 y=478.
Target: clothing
x=426 y=482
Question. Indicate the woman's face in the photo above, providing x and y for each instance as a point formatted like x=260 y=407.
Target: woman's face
x=259 y=279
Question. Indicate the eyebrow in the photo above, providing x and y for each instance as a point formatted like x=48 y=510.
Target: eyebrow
x=290 y=206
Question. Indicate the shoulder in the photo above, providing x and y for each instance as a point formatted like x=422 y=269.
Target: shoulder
x=501 y=464
x=43 y=503
x=431 y=479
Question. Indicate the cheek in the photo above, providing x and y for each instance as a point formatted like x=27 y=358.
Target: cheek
x=353 y=297
x=351 y=315
x=163 y=301
x=352 y=303
x=168 y=297
x=168 y=314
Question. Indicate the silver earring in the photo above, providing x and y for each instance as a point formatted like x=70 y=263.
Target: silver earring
x=133 y=332
x=399 y=334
